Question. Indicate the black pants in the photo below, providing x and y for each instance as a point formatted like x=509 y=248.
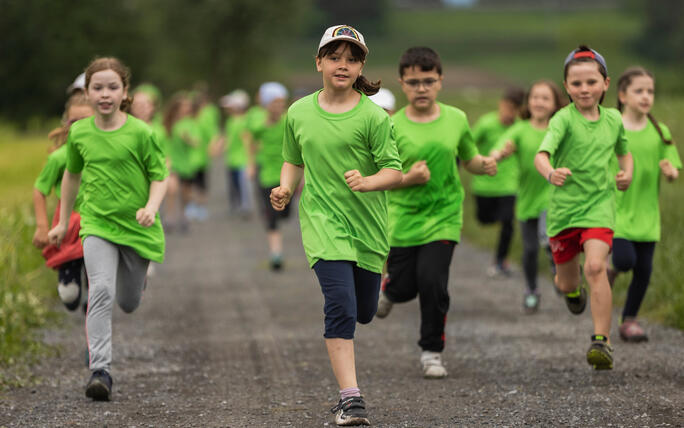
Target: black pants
x=498 y=209
x=423 y=271
x=532 y=237
x=637 y=257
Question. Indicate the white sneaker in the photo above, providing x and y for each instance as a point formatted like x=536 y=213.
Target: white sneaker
x=384 y=306
x=432 y=365
x=68 y=293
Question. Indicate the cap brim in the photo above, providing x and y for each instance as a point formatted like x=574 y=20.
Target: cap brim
x=345 y=39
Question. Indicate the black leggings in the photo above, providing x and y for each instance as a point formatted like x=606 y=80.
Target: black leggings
x=532 y=236
x=423 y=271
x=492 y=209
x=637 y=257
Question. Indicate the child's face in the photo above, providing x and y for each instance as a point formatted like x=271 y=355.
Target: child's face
x=142 y=106
x=585 y=84
x=78 y=112
x=541 y=102
x=185 y=108
x=105 y=92
x=508 y=111
x=421 y=87
x=639 y=94
x=277 y=107
x=340 y=69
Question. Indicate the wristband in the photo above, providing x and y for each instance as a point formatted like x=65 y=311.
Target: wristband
x=549 y=177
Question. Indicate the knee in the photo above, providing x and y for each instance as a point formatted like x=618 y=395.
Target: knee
x=129 y=306
x=623 y=263
x=340 y=322
x=593 y=268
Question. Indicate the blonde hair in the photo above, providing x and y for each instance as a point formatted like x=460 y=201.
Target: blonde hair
x=59 y=135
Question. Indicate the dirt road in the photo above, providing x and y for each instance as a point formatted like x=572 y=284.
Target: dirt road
x=220 y=341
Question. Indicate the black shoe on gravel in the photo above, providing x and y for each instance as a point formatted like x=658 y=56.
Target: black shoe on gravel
x=351 y=411
x=600 y=353
x=577 y=301
x=100 y=386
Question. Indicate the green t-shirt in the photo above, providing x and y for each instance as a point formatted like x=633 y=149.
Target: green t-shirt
x=160 y=132
x=638 y=212
x=533 y=189
x=432 y=211
x=181 y=150
x=337 y=223
x=270 y=155
x=117 y=168
x=208 y=119
x=50 y=176
x=235 y=153
x=486 y=134
x=587 y=198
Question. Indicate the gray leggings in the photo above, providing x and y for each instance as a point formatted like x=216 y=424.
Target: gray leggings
x=113 y=270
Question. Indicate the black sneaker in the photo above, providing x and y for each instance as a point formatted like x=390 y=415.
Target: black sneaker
x=351 y=411
x=600 y=353
x=100 y=386
x=577 y=301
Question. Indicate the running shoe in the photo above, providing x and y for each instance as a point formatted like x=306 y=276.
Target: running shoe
x=499 y=270
x=576 y=301
x=531 y=302
x=384 y=304
x=276 y=262
x=631 y=331
x=600 y=353
x=351 y=411
x=100 y=386
x=432 y=365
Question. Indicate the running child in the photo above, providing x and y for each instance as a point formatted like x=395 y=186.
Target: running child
x=236 y=143
x=637 y=226
x=269 y=158
x=342 y=143
x=67 y=259
x=207 y=118
x=521 y=141
x=582 y=139
x=426 y=209
x=118 y=160
x=495 y=195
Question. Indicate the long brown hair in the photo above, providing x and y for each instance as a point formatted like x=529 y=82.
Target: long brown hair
x=111 y=63
x=59 y=135
x=361 y=84
x=558 y=100
x=623 y=83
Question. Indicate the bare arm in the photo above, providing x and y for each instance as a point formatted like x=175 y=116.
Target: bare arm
x=417 y=175
x=624 y=177
x=40 y=237
x=555 y=176
x=481 y=165
x=384 y=179
x=290 y=176
x=147 y=215
x=70 y=184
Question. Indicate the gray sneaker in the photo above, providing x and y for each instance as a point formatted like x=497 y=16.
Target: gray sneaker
x=384 y=303
x=432 y=365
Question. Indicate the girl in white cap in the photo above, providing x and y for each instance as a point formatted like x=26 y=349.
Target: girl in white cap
x=342 y=143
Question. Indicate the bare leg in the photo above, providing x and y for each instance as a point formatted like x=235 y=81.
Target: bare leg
x=568 y=276
x=275 y=241
x=341 y=353
x=601 y=295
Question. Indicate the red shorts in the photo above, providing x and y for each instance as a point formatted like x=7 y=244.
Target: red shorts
x=570 y=242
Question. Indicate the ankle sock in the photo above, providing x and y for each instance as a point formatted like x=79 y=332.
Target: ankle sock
x=349 y=392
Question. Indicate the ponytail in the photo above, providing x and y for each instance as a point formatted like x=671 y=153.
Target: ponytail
x=366 y=86
x=659 y=129
x=126 y=104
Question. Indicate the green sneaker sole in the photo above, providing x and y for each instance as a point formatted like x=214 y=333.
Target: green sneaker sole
x=599 y=360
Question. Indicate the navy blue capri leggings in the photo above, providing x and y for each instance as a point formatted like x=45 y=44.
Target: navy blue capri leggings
x=351 y=295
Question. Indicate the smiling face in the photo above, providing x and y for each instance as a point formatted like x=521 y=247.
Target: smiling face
x=421 y=87
x=541 y=102
x=639 y=94
x=340 y=68
x=585 y=84
x=105 y=92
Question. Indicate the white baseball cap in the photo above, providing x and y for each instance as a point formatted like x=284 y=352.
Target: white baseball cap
x=237 y=99
x=343 y=32
x=79 y=83
x=270 y=91
x=384 y=98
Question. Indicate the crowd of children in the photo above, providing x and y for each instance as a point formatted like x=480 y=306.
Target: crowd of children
x=382 y=191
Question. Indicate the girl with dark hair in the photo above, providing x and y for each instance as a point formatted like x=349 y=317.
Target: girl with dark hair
x=637 y=226
x=581 y=141
x=120 y=165
x=342 y=143
x=521 y=141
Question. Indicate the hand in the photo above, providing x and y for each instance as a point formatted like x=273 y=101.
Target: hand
x=623 y=179
x=40 y=238
x=419 y=172
x=56 y=234
x=145 y=217
x=356 y=181
x=489 y=165
x=559 y=175
x=509 y=149
x=280 y=197
x=669 y=171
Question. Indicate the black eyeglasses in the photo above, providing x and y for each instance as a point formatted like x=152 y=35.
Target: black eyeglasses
x=416 y=83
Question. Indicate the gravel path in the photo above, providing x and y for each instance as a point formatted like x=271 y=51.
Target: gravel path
x=220 y=341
